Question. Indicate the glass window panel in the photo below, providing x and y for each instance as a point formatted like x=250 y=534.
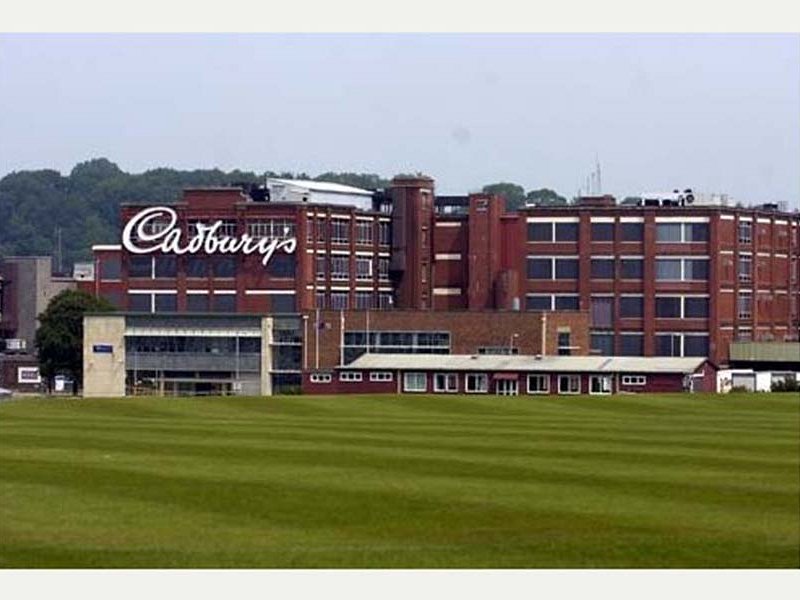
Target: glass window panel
x=631 y=307
x=602 y=312
x=567 y=302
x=632 y=268
x=282 y=303
x=140 y=266
x=602 y=232
x=166 y=302
x=668 y=307
x=566 y=232
x=110 y=268
x=540 y=232
x=197 y=303
x=567 y=268
x=139 y=303
x=540 y=268
x=603 y=344
x=602 y=268
x=166 y=267
x=696 y=232
x=695 y=345
x=224 y=302
x=632 y=232
x=669 y=232
x=196 y=267
x=631 y=345
x=696 y=269
x=538 y=302
x=668 y=269
x=695 y=308
x=224 y=267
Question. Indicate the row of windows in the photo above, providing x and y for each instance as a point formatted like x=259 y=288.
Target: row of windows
x=666 y=344
x=155 y=302
x=667 y=269
x=192 y=345
x=339 y=231
x=361 y=300
x=195 y=267
x=629 y=232
x=339 y=268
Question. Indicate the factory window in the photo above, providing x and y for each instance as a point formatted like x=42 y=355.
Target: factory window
x=669 y=344
x=110 y=268
x=340 y=231
x=695 y=308
x=363 y=300
x=321 y=264
x=745 y=232
x=196 y=267
x=320 y=229
x=668 y=269
x=319 y=300
x=166 y=267
x=224 y=303
x=569 y=384
x=384 y=233
x=634 y=380
x=363 y=269
x=445 y=382
x=602 y=311
x=310 y=229
x=695 y=232
x=224 y=267
x=745 y=305
x=540 y=232
x=632 y=232
x=282 y=266
x=383 y=269
x=385 y=300
x=668 y=307
x=566 y=232
x=140 y=303
x=631 y=344
x=602 y=343
x=695 y=345
x=566 y=268
x=540 y=268
x=695 y=269
x=339 y=300
x=602 y=232
x=564 y=302
x=669 y=232
x=140 y=266
x=564 y=343
x=631 y=268
x=364 y=232
x=477 y=383
x=340 y=267
x=631 y=307
x=197 y=303
x=538 y=384
x=745 y=269
x=415 y=382
x=602 y=268
x=538 y=302
x=165 y=302
x=271 y=229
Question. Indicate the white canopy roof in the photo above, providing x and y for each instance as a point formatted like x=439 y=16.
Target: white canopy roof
x=549 y=364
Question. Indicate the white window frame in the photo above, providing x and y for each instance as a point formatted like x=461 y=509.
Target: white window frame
x=321 y=378
x=476 y=377
x=569 y=377
x=538 y=376
x=607 y=379
x=381 y=376
x=448 y=389
x=350 y=376
x=363 y=276
x=634 y=380
x=416 y=374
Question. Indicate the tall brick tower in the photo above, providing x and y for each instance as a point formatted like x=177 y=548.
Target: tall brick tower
x=412 y=240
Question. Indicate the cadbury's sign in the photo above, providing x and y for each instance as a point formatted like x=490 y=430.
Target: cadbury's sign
x=156 y=230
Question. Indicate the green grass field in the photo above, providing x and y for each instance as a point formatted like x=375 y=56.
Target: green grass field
x=410 y=481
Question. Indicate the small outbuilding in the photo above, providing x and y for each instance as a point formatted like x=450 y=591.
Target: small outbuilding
x=511 y=375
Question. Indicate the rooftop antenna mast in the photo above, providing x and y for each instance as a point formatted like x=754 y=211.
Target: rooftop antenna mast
x=599 y=180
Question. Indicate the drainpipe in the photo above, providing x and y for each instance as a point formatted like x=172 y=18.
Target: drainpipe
x=544 y=334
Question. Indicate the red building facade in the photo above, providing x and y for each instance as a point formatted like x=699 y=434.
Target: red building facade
x=656 y=281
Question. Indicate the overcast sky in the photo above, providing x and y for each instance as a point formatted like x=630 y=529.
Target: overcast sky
x=718 y=113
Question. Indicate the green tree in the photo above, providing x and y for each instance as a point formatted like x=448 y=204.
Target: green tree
x=545 y=197
x=59 y=338
x=513 y=193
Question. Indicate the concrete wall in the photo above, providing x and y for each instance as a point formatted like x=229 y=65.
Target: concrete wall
x=103 y=373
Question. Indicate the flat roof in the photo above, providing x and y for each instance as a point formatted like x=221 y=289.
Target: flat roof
x=550 y=364
x=322 y=186
x=788 y=352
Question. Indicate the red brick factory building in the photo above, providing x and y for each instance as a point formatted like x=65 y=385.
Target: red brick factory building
x=413 y=272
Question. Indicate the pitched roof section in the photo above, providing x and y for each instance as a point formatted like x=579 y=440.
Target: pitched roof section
x=546 y=364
